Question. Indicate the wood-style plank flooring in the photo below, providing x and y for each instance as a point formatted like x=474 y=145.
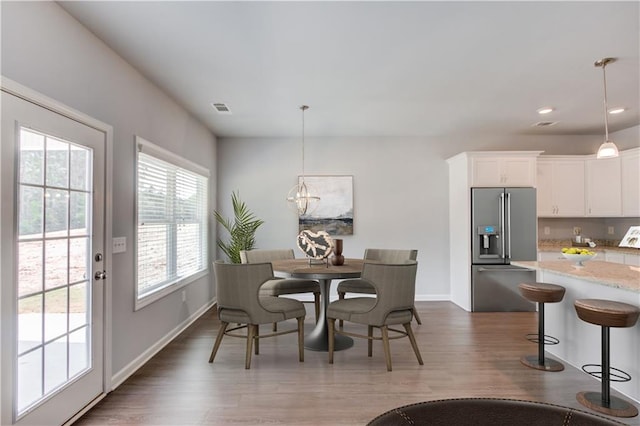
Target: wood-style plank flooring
x=465 y=355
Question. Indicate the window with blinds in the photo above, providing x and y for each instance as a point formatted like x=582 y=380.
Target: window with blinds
x=172 y=221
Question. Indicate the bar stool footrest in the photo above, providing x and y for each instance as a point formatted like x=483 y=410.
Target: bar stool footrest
x=616 y=376
x=547 y=340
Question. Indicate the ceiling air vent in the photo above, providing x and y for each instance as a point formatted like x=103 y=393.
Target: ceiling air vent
x=544 y=123
x=221 y=108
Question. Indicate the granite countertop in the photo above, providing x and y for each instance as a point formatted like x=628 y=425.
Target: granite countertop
x=601 y=245
x=615 y=275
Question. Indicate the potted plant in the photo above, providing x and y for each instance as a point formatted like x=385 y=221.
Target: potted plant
x=242 y=229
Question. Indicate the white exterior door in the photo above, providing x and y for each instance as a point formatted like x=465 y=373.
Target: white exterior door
x=52 y=294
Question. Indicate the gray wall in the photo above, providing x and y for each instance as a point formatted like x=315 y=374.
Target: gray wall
x=47 y=50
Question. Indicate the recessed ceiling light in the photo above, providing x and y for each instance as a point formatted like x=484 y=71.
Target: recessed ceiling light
x=545 y=110
x=617 y=110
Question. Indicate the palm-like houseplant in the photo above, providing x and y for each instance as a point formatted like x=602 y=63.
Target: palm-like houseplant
x=242 y=229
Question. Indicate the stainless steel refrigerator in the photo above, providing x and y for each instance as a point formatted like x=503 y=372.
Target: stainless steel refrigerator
x=504 y=228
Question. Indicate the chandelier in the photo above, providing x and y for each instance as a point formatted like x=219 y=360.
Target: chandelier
x=608 y=149
x=300 y=197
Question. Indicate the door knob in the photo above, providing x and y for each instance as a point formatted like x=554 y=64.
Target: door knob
x=100 y=275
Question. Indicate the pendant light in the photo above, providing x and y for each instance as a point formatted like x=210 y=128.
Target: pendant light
x=608 y=149
x=300 y=197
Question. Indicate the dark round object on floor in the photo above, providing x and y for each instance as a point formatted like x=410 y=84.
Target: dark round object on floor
x=488 y=412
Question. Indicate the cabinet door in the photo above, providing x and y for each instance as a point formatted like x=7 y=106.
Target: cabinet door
x=486 y=172
x=519 y=171
x=504 y=171
x=544 y=188
x=630 y=171
x=568 y=188
x=604 y=189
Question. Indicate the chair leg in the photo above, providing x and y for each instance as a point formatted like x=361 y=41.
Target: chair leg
x=256 y=340
x=340 y=297
x=370 y=340
x=414 y=344
x=416 y=316
x=301 y=338
x=385 y=346
x=332 y=327
x=250 y=334
x=316 y=302
x=216 y=345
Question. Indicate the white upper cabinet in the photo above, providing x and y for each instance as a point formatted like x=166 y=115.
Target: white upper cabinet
x=630 y=172
x=560 y=186
x=503 y=168
x=604 y=187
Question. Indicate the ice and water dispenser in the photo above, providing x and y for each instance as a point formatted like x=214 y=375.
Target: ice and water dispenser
x=488 y=240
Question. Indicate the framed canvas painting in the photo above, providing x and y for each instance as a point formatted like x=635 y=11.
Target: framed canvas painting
x=334 y=213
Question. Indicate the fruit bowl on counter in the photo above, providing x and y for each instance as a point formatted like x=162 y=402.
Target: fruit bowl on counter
x=578 y=255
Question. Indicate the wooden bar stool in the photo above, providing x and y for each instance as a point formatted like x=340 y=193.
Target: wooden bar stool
x=606 y=313
x=542 y=293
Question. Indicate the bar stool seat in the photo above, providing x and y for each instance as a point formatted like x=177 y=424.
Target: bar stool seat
x=542 y=293
x=606 y=314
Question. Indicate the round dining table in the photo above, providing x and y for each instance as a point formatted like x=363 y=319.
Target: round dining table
x=318 y=339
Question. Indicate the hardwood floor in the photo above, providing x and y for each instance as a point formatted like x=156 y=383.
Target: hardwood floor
x=465 y=355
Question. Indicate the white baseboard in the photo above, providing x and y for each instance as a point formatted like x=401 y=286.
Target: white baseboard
x=122 y=375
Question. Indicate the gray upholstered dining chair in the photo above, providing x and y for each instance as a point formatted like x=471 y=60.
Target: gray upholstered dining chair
x=378 y=255
x=394 y=285
x=282 y=286
x=240 y=302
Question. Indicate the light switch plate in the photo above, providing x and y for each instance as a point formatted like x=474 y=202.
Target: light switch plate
x=119 y=245
x=610 y=231
x=547 y=230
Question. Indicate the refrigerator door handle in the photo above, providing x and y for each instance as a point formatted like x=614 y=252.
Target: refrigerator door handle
x=508 y=220
x=502 y=224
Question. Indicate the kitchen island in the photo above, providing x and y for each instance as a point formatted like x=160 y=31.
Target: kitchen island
x=580 y=341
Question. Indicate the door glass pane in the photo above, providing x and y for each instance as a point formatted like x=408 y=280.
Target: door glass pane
x=31 y=157
x=57 y=163
x=55 y=364
x=30 y=267
x=55 y=267
x=31 y=214
x=79 y=208
x=78 y=262
x=78 y=351
x=57 y=211
x=80 y=168
x=79 y=306
x=29 y=322
x=30 y=371
x=55 y=313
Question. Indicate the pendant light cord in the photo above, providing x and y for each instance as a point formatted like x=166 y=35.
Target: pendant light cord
x=606 y=118
x=303 y=108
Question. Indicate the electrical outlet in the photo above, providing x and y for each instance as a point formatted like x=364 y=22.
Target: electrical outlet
x=547 y=230
x=119 y=244
x=184 y=295
x=610 y=230
x=577 y=230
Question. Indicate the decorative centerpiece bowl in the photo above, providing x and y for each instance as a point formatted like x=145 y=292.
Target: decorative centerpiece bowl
x=579 y=258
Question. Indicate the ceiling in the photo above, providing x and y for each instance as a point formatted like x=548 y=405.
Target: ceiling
x=383 y=68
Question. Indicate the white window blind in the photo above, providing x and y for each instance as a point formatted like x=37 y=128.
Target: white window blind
x=172 y=220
